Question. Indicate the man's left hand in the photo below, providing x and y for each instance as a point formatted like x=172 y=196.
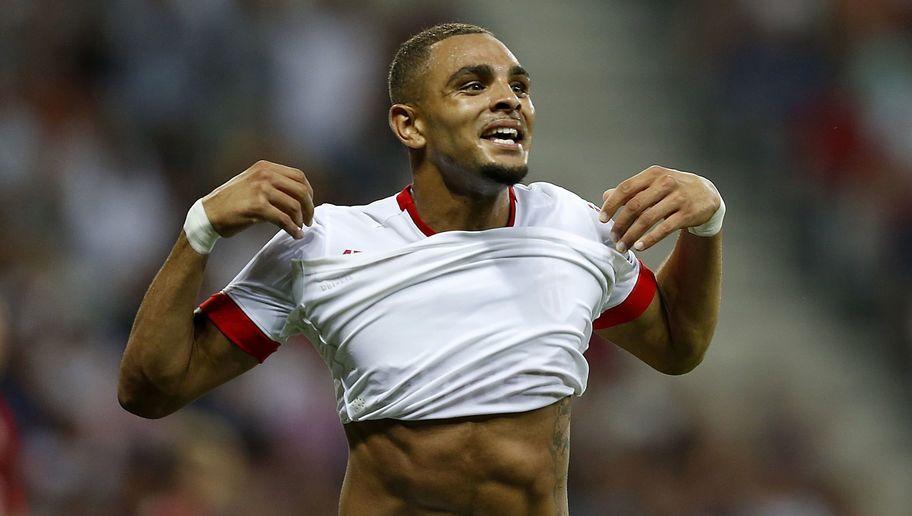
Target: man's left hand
x=682 y=199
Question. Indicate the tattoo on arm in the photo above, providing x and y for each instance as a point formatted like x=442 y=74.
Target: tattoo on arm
x=560 y=454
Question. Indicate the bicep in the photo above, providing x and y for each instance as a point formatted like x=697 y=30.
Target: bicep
x=646 y=337
x=214 y=360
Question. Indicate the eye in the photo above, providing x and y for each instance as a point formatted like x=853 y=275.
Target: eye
x=520 y=88
x=473 y=86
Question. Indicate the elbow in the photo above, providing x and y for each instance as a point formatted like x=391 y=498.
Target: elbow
x=143 y=410
x=679 y=367
x=685 y=360
x=141 y=405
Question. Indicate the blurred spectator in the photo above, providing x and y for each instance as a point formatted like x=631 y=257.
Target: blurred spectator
x=12 y=492
x=814 y=99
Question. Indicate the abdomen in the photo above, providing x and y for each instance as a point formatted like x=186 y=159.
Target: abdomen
x=503 y=464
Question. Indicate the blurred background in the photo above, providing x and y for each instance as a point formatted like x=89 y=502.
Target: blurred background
x=116 y=115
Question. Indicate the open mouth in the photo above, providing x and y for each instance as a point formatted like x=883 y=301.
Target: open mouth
x=507 y=137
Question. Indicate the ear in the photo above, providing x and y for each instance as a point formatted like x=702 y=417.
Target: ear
x=404 y=122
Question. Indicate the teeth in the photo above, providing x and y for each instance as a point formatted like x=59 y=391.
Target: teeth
x=505 y=142
x=505 y=131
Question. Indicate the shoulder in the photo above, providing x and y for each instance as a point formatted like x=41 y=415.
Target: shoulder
x=335 y=230
x=346 y=229
x=546 y=204
x=329 y=222
x=373 y=214
x=543 y=195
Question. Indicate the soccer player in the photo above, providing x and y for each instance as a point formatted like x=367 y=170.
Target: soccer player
x=454 y=315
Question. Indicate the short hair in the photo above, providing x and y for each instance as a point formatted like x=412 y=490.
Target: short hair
x=411 y=58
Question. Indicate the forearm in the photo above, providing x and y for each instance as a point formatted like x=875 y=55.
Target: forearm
x=160 y=346
x=690 y=283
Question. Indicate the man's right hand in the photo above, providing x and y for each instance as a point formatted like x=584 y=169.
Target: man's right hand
x=172 y=357
x=264 y=192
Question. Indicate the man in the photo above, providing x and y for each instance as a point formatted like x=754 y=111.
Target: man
x=453 y=316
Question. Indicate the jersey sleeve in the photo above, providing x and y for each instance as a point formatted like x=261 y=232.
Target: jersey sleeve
x=253 y=309
x=634 y=284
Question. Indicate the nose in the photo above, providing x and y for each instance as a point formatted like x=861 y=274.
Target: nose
x=504 y=99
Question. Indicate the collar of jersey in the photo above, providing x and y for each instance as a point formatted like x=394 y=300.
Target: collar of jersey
x=407 y=203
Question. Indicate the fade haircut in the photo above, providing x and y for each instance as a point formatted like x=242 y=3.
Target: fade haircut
x=411 y=58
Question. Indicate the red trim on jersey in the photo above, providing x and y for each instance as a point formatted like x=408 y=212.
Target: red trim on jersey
x=635 y=304
x=512 y=218
x=228 y=317
x=407 y=203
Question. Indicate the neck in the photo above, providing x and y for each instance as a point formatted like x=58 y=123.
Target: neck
x=444 y=209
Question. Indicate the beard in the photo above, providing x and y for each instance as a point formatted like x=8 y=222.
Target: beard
x=502 y=174
x=463 y=174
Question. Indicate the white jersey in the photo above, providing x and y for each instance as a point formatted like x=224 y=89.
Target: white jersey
x=417 y=325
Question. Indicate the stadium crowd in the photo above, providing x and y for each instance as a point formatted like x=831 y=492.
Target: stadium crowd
x=116 y=116
x=813 y=98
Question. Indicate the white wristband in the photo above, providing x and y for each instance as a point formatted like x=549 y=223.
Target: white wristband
x=712 y=226
x=199 y=230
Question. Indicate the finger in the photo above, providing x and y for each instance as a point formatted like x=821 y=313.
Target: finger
x=300 y=193
x=307 y=213
x=292 y=173
x=667 y=227
x=637 y=205
x=288 y=204
x=280 y=218
x=299 y=190
x=270 y=168
x=616 y=197
x=648 y=218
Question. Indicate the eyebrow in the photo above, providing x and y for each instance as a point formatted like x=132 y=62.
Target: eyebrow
x=519 y=70
x=484 y=71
